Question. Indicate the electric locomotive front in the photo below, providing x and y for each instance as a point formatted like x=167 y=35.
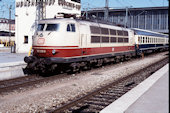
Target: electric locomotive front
x=54 y=41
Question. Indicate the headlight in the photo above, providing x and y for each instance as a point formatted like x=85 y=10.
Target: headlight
x=53 y=51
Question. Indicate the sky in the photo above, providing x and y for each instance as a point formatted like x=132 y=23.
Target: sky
x=4 y=5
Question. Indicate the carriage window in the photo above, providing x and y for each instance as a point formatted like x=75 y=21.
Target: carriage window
x=52 y=27
x=95 y=39
x=40 y=27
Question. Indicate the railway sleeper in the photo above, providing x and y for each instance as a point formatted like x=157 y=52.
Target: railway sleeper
x=96 y=105
x=97 y=102
x=100 y=96
x=94 y=109
x=101 y=99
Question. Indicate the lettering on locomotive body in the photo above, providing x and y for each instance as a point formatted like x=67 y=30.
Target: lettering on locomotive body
x=28 y=3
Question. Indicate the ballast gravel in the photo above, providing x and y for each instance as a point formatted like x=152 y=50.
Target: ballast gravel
x=49 y=95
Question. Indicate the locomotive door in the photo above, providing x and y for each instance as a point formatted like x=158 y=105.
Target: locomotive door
x=83 y=44
x=84 y=32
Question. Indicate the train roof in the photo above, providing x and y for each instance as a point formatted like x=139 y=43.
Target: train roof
x=148 y=33
x=83 y=22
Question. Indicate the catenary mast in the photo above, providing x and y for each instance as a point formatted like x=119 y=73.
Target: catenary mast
x=106 y=10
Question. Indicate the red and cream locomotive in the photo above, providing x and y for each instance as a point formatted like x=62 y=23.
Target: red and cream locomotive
x=73 y=44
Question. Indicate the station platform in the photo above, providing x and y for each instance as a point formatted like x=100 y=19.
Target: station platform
x=150 y=96
x=11 y=64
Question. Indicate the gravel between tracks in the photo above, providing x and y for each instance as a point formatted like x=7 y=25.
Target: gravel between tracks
x=62 y=90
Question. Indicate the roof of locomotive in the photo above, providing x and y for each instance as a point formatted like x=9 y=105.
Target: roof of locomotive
x=148 y=33
x=83 y=22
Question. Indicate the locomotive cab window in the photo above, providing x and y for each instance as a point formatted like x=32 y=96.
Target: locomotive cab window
x=52 y=27
x=71 y=28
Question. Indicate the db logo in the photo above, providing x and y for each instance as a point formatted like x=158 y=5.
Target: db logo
x=41 y=41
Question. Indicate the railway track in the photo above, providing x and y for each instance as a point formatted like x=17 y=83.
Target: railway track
x=97 y=100
x=25 y=82
x=30 y=81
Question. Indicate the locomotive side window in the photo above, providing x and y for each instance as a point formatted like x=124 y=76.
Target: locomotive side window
x=105 y=39
x=71 y=28
x=40 y=27
x=120 y=39
x=125 y=33
x=95 y=30
x=104 y=31
x=119 y=32
x=52 y=27
x=95 y=39
x=126 y=40
x=113 y=39
x=112 y=32
x=68 y=27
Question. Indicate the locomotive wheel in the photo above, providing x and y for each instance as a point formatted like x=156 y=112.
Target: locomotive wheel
x=73 y=68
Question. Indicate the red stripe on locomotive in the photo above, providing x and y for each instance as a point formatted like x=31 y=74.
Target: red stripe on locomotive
x=74 y=52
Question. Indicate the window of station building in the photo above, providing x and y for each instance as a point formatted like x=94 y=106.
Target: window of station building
x=104 y=31
x=113 y=39
x=120 y=33
x=95 y=39
x=78 y=1
x=125 y=33
x=71 y=28
x=112 y=32
x=105 y=39
x=120 y=40
x=52 y=27
x=95 y=30
x=25 y=39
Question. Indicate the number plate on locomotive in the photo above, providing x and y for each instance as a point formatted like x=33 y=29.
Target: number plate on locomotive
x=41 y=51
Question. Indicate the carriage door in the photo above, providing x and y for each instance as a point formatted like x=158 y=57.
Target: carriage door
x=83 y=39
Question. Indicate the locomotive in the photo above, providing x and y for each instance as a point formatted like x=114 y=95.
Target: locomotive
x=74 y=44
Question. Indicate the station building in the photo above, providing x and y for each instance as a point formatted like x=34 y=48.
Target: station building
x=7 y=30
x=28 y=12
x=149 y=18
